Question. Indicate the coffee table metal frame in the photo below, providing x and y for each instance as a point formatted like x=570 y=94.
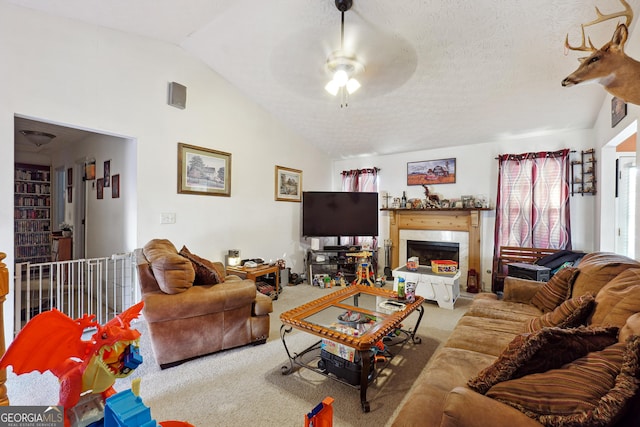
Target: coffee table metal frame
x=389 y=324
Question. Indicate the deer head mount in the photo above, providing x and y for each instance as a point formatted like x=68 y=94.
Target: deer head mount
x=609 y=65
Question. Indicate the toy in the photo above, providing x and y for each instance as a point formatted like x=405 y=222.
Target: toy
x=380 y=352
x=126 y=409
x=52 y=341
x=363 y=274
x=321 y=415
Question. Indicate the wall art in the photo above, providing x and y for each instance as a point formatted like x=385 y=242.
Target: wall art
x=203 y=171
x=288 y=184
x=430 y=172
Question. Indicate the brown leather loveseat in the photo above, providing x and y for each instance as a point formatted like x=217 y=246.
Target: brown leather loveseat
x=192 y=308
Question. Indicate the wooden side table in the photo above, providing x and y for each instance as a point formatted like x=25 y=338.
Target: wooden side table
x=61 y=248
x=254 y=272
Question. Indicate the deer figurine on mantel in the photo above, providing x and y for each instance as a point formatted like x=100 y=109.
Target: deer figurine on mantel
x=609 y=65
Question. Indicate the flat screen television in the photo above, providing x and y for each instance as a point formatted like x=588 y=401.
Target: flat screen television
x=334 y=213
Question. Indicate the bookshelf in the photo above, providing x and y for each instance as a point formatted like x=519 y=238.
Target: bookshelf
x=32 y=213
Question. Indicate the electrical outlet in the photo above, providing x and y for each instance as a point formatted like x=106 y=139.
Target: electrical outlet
x=167 y=218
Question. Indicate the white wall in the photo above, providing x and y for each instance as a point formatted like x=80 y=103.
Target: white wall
x=110 y=222
x=89 y=77
x=606 y=138
x=477 y=174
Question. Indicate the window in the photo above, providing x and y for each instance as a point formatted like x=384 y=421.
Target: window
x=532 y=208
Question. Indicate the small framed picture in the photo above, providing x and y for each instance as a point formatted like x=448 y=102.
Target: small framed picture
x=115 y=186
x=69 y=177
x=100 y=188
x=203 y=171
x=288 y=184
x=467 y=201
x=69 y=194
x=107 y=172
x=618 y=110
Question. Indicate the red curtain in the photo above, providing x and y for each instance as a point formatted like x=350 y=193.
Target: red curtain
x=532 y=208
x=361 y=180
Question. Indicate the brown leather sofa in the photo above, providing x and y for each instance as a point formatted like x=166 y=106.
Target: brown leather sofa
x=474 y=378
x=193 y=308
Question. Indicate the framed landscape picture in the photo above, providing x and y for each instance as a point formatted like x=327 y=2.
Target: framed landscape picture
x=430 y=172
x=288 y=184
x=203 y=171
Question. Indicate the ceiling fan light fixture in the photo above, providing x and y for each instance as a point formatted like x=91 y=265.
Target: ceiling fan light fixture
x=332 y=87
x=340 y=77
x=341 y=66
x=37 y=138
x=353 y=85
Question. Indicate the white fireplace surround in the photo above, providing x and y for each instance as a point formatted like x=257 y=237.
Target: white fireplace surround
x=459 y=237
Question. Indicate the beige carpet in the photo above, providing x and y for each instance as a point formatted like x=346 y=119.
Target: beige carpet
x=245 y=386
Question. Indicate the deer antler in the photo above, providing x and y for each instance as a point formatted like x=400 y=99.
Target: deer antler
x=627 y=13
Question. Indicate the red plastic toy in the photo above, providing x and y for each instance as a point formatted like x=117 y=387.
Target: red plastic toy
x=52 y=341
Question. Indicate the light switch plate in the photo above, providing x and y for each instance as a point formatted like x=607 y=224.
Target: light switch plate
x=167 y=218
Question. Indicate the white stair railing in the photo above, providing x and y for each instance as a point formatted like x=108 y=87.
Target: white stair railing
x=103 y=287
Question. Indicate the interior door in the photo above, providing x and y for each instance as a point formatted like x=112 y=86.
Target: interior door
x=80 y=214
x=626 y=206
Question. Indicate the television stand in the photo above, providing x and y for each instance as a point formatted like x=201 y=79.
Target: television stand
x=336 y=263
x=341 y=248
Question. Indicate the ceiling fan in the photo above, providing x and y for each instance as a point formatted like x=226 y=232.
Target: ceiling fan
x=343 y=66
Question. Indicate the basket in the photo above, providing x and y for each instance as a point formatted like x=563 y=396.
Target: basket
x=444 y=266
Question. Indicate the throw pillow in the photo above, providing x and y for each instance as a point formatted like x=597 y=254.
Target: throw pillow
x=206 y=271
x=556 y=290
x=618 y=299
x=571 y=313
x=631 y=327
x=593 y=390
x=540 y=351
x=173 y=273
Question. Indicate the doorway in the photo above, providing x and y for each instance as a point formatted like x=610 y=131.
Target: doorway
x=626 y=205
x=102 y=226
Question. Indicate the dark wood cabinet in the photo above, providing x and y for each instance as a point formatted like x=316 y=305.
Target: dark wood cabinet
x=61 y=248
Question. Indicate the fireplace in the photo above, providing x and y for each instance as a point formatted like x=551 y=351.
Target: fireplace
x=460 y=226
x=441 y=243
x=428 y=251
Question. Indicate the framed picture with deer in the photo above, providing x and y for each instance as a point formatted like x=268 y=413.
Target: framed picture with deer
x=428 y=172
x=618 y=110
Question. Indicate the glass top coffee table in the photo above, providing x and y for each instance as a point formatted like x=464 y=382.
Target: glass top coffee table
x=360 y=329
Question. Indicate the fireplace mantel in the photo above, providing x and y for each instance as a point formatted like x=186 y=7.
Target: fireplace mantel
x=468 y=220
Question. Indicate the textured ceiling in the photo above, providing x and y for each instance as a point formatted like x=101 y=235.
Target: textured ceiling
x=437 y=73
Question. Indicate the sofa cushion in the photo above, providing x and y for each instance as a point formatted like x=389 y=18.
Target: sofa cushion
x=592 y=390
x=447 y=368
x=597 y=269
x=207 y=273
x=571 y=313
x=539 y=351
x=500 y=309
x=631 y=327
x=173 y=272
x=467 y=336
x=618 y=299
x=556 y=290
x=200 y=301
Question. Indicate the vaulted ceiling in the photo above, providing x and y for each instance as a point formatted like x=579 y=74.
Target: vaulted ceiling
x=437 y=73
